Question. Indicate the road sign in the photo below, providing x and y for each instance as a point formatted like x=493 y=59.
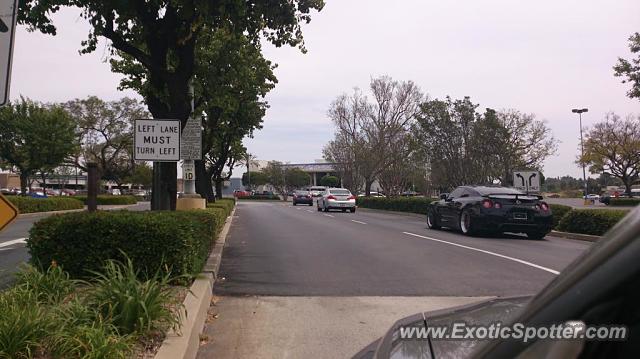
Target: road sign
x=8 y=17
x=527 y=181
x=157 y=140
x=188 y=171
x=191 y=145
x=8 y=212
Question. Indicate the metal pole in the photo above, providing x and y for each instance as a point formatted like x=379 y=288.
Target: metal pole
x=584 y=173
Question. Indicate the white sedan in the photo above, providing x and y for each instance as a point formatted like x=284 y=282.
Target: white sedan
x=337 y=198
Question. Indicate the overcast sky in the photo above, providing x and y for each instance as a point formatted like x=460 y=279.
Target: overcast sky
x=542 y=57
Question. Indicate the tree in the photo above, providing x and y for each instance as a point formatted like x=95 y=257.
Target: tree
x=154 y=45
x=613 y=146
x=366 y=131
x=105 y=132
x=329 y=181
x=276 y=177
x=252 y=180
x=296 y=178
x=35 y=138
x=629 y=70
x=142 y=175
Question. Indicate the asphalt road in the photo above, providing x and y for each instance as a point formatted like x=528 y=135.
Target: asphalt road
x=277 y=249
x=13 y=249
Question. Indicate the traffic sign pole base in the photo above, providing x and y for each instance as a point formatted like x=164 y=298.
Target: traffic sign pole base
x=185 y=203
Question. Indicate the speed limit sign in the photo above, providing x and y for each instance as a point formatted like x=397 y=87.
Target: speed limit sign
x=188 y=171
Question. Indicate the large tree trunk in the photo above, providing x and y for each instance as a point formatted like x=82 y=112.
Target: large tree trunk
x=367 y=187
x=627 y=185
x=203 y=182
x=164 y=186
x=24 y=183
x=219 y=182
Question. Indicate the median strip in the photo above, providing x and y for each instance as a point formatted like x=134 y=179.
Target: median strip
x=487 y=252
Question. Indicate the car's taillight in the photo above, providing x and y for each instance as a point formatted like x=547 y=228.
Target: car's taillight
x=544 y=207
x=351 y=197
x=486 y=203
x=331 y=197
x=497 y=205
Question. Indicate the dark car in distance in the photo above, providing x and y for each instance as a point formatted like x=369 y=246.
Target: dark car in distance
x=302 y=197
x=493 y=210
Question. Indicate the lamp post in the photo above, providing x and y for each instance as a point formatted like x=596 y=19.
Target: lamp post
x=584 y=172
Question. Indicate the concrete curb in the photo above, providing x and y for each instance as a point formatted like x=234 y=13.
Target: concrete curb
x=185 y=343
x=103 y=208
x=578 y=236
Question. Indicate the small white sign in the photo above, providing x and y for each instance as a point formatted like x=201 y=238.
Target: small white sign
x=191 y=146
x=157 y=140
x=188 y=171
x=8 y=16
x=527 y=181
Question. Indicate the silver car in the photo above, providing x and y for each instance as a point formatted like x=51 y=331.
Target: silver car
x=337 y=198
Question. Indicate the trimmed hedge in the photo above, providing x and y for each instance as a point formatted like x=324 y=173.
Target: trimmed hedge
x=624 y=201
x=82 y=241
x=261 y=197
x=32 y=205
x=226 y=204
x=400 y=204
x=590 y=221
x=111 y=200
x=559 y=211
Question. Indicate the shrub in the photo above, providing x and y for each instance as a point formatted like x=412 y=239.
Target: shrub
x=106 y=200
x=226 y=204
x=590 y=221
x=32 y=205
x=82 y=241
x=624 y=201
x=400 y=204
x=558 y=211
x=271 y=197
x=132 y=305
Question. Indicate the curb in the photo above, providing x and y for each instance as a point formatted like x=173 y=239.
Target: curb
x=185 y=343
x=397 y=213
x=108 y=208
x=578 y=236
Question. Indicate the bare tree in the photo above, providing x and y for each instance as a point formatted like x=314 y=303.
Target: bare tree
x=365 y=131
x=613 y=146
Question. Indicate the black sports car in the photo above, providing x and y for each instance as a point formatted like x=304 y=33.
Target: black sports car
x=474 y=209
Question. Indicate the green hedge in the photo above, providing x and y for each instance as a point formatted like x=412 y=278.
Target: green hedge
x=558 y=211
x=31 y=205
x=111 y=200
x=261 y=197
x=400 y=204
x=624 y=201
x=590 y=221
x=83 y=241
x=226 y=204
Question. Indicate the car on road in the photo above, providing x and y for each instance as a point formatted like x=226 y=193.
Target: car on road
x=337 y=198
x=476 y=209
x=592 y=197
x=371 y=194
x=316 y=191
x=599 y=290
x=302 y=197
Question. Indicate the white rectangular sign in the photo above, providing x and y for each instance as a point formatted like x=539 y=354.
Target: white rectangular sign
x=188 y=171
x=191 y=146
x=527 y=181
x=8 y=17
x=157 y=140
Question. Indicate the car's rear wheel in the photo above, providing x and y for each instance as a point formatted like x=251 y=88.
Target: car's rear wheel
x=311 y=204
x=536 y=235
x=432 y=222
x=344 y=210
x=353 y=210
x=319 y=209
x=466 y=223
x=325 y=208
x=294 y=203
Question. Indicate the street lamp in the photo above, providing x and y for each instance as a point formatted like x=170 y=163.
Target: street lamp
x=584 y=173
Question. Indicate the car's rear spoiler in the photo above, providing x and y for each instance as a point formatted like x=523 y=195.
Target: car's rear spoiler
x=518 y=196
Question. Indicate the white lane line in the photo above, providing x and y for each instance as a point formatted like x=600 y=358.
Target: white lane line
x=328 y=215
x=487 y=252
x=353 y=220
x=310 y=211
x=12 y=242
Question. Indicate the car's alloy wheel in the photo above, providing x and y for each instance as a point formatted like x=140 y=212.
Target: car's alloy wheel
x=465 y=223
x=431 y=221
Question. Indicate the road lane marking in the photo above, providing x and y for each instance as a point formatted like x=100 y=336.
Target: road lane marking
x=12 y=242
x=328 y=215
x=487 y=252
x=310 y=211
x=353 y=220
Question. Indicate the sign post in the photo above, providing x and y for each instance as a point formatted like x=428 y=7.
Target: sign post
x=527 y=181
x=8 y=19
